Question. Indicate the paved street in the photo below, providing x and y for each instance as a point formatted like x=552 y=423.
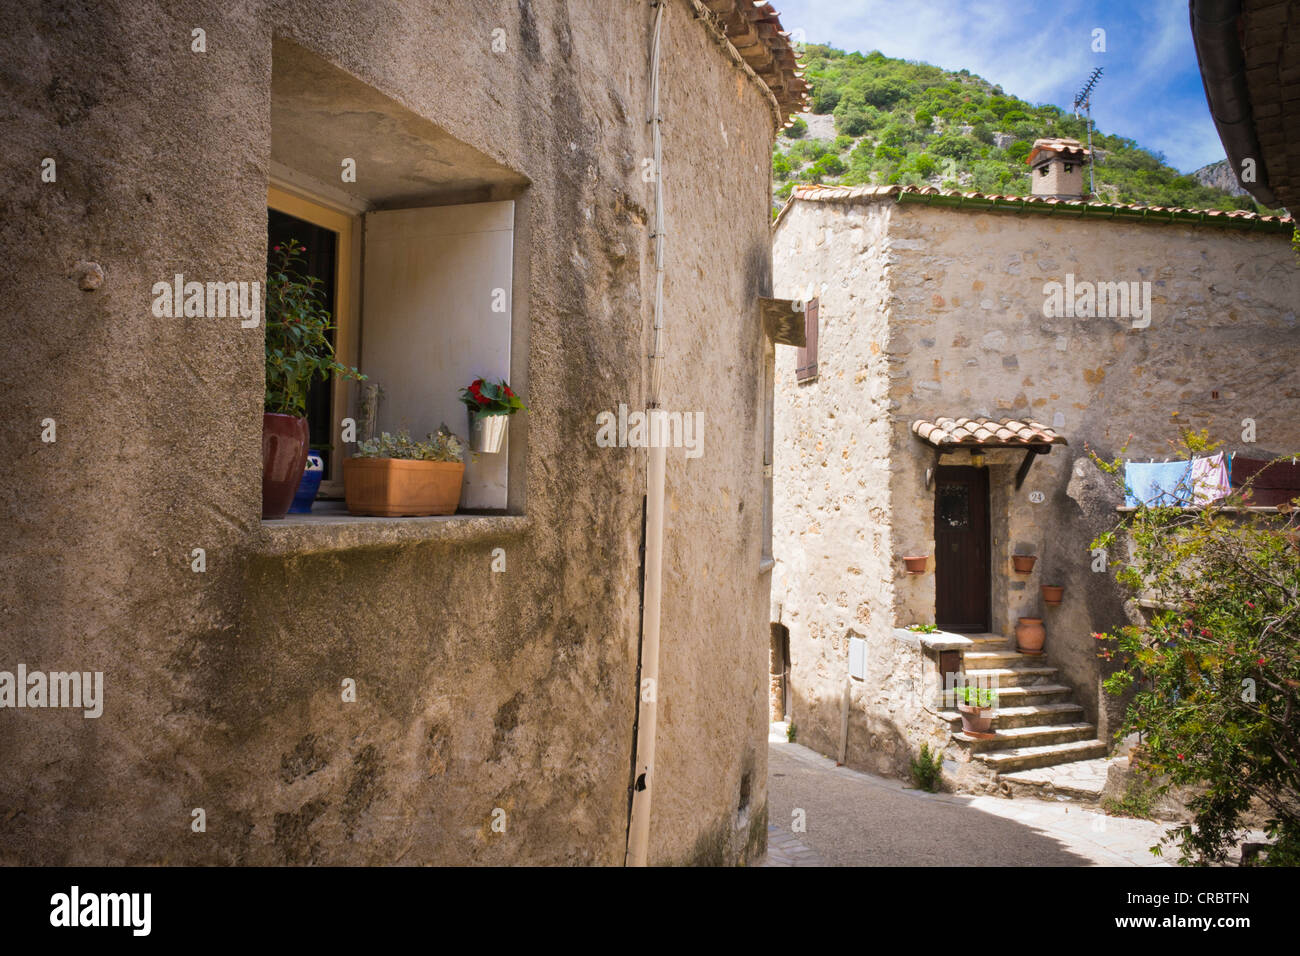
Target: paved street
x=857 y=819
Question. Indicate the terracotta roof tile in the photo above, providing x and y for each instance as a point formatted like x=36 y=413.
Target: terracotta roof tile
x=985 y=432
x=1058 y=145
x=754 y=29
x=956 y=198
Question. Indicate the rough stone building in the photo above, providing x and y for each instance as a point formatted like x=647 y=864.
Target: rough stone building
x=495 y=710
x=947 y=415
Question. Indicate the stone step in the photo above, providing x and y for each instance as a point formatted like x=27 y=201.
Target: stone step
x=1000 y=677
x=1024 y=758
x=1029 y=715
x=1038 y=694
x=1012 y=738
x=1008 y=657
x=984 y=641
x=1083 y=781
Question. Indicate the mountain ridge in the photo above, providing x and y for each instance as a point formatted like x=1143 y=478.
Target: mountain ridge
x=876 y=120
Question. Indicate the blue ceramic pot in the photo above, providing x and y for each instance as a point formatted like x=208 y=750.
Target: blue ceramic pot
x=310 y=484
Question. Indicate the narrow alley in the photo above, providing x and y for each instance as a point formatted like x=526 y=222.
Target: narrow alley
x=858 y=819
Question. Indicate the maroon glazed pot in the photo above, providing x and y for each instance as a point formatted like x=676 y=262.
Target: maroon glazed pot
x=284 y=459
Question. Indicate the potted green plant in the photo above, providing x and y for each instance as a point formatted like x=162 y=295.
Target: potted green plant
x=392 y=476
x=976 y=706
x=298 y=353
x=489 y=405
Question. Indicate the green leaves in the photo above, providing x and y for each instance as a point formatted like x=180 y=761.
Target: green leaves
x=897 y=104
x=483 y=397
x=444 y=446
x=1216 y=667
x=298 y=349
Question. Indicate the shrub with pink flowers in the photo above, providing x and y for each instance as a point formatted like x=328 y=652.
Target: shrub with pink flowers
x=1215 y=673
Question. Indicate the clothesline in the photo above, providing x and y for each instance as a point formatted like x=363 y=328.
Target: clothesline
x=1202 y=480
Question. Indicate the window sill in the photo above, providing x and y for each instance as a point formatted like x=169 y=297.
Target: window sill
x=329 y=528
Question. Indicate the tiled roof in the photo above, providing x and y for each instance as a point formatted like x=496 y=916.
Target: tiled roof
x=984 y=432
x=1271 y=45
x=1060 y=145
x=753 y=27
x=1077 y=208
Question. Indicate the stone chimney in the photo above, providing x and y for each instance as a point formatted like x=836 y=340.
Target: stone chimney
x=1056 y=168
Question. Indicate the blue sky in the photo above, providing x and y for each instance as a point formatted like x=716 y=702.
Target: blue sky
x=1042 y=52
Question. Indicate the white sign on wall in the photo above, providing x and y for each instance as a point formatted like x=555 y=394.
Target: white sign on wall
x=857 y=658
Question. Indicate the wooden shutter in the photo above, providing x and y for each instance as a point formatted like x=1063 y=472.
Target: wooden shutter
x=806 y=362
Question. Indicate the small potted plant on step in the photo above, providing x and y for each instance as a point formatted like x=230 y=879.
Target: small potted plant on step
x=392 y=476
x=490 y=405
x=976 y=706
x=298 y=352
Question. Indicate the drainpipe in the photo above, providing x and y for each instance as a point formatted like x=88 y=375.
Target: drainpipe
x=638 y=831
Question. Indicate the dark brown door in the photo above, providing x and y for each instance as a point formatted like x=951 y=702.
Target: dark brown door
x=961 y=548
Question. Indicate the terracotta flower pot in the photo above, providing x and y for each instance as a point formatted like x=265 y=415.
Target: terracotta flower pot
x=916 y=563
x=1023 y=563
x=976 y=721
x=396 y=487
x=284 y=458
x=1052 y=594
x=1030 y=635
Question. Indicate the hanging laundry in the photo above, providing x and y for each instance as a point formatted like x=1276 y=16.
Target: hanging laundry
x=1209 y=479
x=1274 y=483
x=1167 y=483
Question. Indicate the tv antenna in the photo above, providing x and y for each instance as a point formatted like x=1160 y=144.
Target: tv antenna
x=1084 y=98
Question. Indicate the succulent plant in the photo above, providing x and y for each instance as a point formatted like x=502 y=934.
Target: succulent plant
x=443 y=446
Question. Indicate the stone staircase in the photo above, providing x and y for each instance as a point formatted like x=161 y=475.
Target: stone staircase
x=1037 y=723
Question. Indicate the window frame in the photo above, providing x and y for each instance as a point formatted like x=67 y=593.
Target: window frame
x=346 y=224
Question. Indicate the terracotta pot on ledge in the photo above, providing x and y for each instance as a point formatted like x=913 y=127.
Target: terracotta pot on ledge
x=398 y=487
x=976 y=721
x=1030 y=635
x=1052 y=594
x=916 y=563
x=1023 y=563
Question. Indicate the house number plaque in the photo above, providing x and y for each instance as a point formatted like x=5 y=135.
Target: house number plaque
x=1036 y=497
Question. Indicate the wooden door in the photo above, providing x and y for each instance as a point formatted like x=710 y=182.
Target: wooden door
x=961 y=549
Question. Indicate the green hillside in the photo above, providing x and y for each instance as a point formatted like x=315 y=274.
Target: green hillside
x=897 y=121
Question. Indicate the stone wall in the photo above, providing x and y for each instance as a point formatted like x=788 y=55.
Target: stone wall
x=928 y=312
x=475 y=691
x=832 y=539
x=1221 y=346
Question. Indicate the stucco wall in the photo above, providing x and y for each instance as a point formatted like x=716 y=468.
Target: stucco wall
x=960 y=298
x=475 y=690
